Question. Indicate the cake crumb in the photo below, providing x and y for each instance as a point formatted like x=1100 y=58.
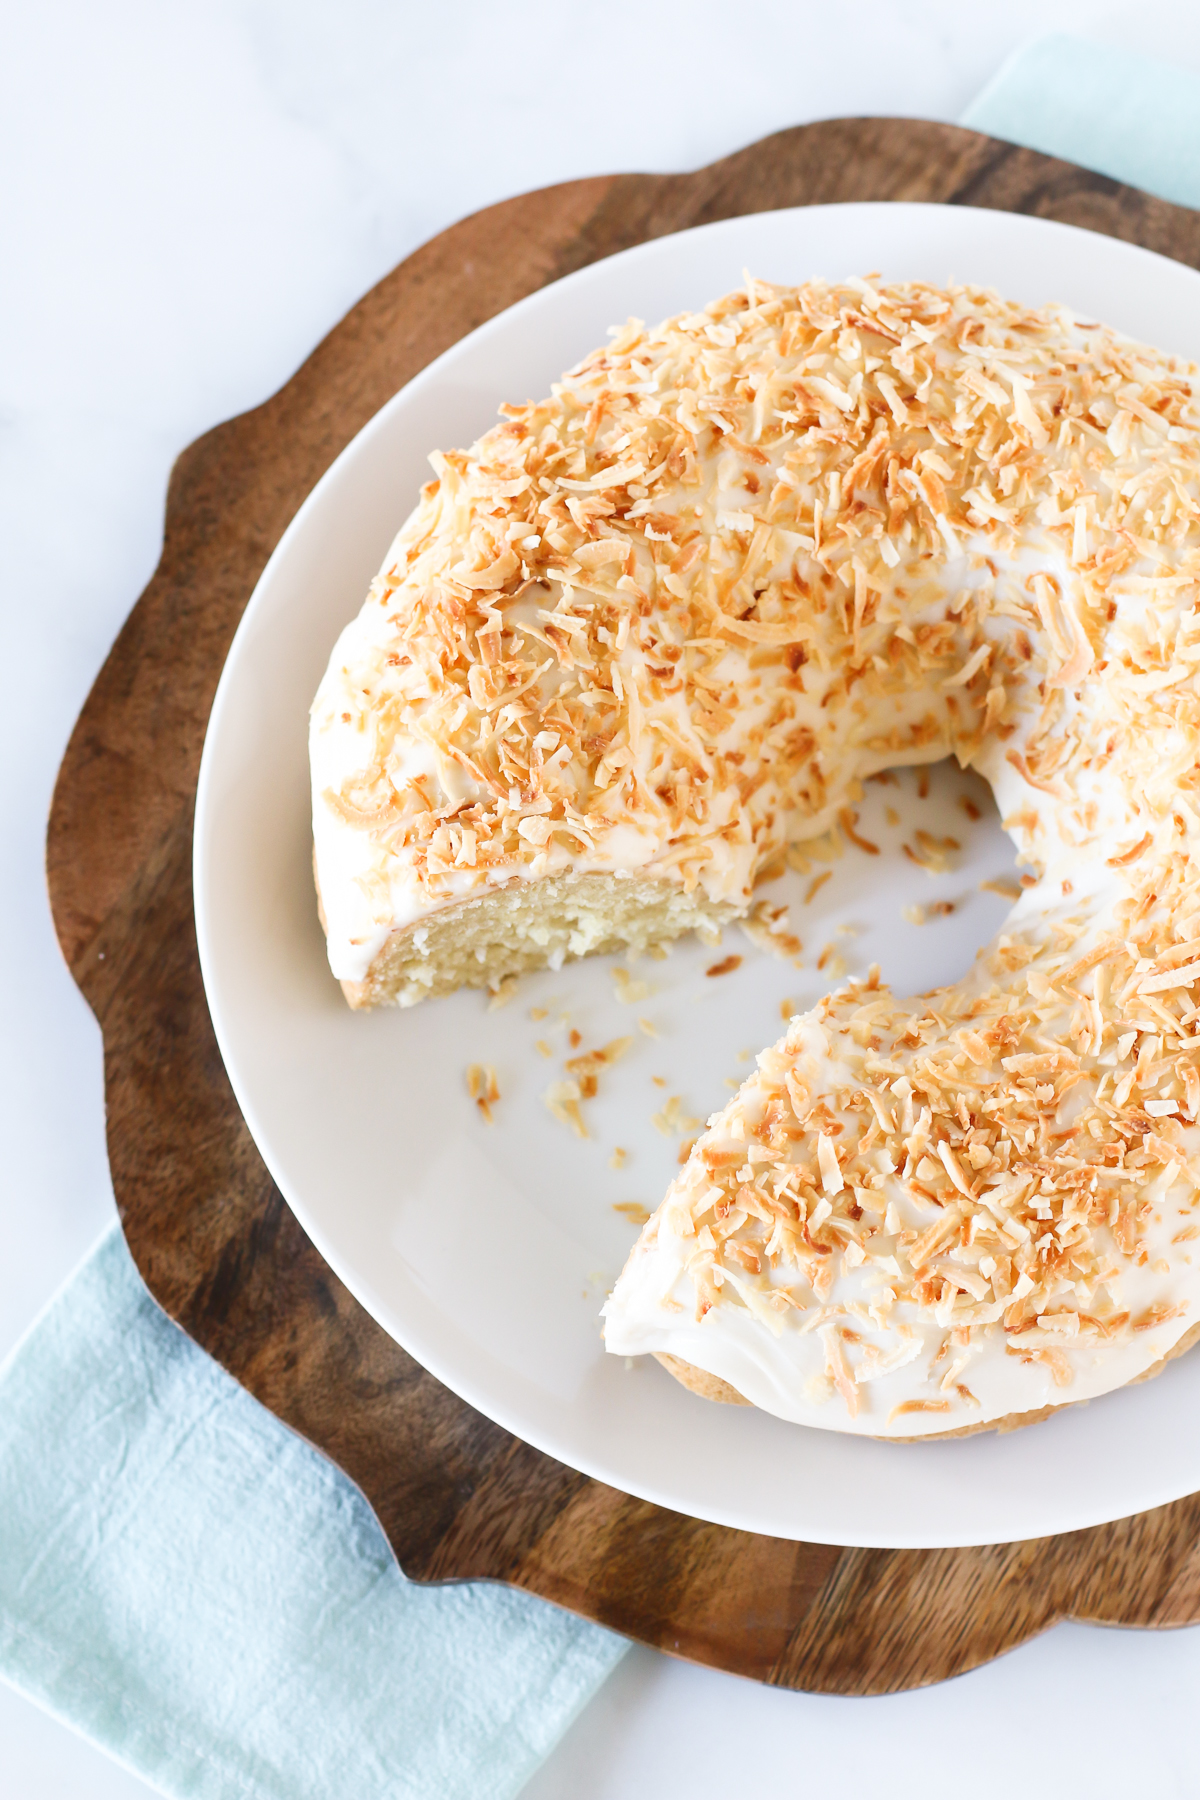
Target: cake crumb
x=502 y=993
x=629 y=991
x=543 y=1048
x=649 y=1030
x=537 y=1013
x=787 y=1008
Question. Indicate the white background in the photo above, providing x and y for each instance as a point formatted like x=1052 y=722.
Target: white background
x=190 y=196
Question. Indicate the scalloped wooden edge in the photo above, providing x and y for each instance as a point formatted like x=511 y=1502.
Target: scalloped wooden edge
x=457 y=1497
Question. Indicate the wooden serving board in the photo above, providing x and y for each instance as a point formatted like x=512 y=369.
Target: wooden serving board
x=458 y=1497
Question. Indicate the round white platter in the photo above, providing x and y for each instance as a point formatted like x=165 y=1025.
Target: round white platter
x=486 y=1249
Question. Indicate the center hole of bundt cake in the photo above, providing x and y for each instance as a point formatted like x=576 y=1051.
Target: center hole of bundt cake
x=920 y=876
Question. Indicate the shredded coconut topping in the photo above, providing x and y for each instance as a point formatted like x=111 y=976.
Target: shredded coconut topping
x=666 y=621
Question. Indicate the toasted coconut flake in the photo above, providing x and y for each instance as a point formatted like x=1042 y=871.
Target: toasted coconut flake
x=1185 y=977
x=848 y=820
x=918 y=1406
x=592 y=1061
x=1124 y=857
x=562 y=1099
x=671 y=1120
x=831 y=1174
x=482 y=1087
x=768 y=926
x=838 y=1369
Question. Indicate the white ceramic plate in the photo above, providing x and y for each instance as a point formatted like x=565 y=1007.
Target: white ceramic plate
x=486 y=1250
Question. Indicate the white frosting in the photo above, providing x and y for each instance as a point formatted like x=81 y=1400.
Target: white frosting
x=786 y=1375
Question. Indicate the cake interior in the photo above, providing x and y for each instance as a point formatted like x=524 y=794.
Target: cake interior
x=531 y=925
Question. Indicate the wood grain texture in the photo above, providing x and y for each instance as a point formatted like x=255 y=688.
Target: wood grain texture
x=458 y=1497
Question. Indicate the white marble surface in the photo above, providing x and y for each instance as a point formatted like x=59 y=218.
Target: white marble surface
x=190 y=197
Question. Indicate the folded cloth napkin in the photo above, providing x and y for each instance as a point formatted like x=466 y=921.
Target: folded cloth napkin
x=197 y=1589
x=204 y=1595
x=1123 y=114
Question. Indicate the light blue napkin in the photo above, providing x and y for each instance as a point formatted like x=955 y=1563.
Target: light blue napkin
x=203 y=1594
x=1122 y=114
